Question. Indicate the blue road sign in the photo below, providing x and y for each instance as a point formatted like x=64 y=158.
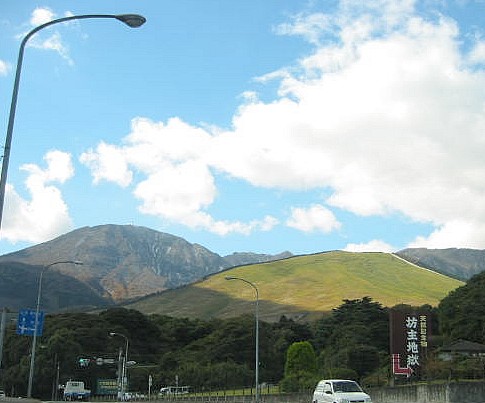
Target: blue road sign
x=26 y=322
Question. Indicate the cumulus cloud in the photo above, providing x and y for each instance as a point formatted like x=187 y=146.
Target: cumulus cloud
x=308 y=26
x=4 y=68
x=314 y=218
x=371 y=246
x=108 y=163
x=41 y=15
x=386 y=114
x=45 y=214
x=178 y=184
x=453 y=232
x=51 y=40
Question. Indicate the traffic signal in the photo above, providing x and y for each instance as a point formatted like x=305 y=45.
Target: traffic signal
x=84 y=362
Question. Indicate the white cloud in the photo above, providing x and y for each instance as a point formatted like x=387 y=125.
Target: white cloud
x=455 y=233
x=372 y=246
x=41 y=15
x=177 y=191
x=477 y=54
x=386 y=115
x=181 y=193
x=315 y=218
x=4 y=68
x=108 y=163
x=308 y=26
x=50 y=40
x=45 y=215
x=178 y=184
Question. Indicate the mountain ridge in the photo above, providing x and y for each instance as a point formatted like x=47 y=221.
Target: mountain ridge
x=303 y=287
x=459 y=263
x=123 y=263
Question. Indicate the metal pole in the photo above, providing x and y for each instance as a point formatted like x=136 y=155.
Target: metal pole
x=124 y=364
x=36 y=322
x=256 y=333
x=2 y=334
x=57 y=380
x=54 y=380
x=132 y=20
x=34 y=339
x=120 y=374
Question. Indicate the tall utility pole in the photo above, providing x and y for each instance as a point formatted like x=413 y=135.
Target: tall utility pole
x=2 y=336
x=36 y=322
x=256 y=317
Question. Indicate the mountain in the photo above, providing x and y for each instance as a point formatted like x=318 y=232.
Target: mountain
x=120 y=262
x=461 y=264
x=244 y=258
x=19 y=286
x=303 y=287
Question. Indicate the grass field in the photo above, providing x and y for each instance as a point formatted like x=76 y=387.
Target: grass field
x=304 y=286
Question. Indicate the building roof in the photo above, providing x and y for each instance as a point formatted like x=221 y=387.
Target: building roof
x=464 y=346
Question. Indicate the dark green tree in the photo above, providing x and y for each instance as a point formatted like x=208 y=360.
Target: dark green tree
x=357 y=312
x=462 y=313
x=353 y=337
x=300 y=367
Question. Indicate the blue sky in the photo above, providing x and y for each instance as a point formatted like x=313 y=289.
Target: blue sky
x=260 y=126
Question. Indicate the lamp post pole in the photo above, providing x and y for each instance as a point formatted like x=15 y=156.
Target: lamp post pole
x=125 y=361
x=36 y=321
x=256 y=376
x=132 y=20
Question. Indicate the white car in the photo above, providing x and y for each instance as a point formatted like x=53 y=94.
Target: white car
x=339 y=391
x=2 y=395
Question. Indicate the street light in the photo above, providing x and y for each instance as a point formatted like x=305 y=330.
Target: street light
x=125 y=361
x=257 y=333
x=132 y=20
x=36 y=322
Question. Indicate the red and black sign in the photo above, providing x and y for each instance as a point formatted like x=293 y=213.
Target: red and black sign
x=409 y=341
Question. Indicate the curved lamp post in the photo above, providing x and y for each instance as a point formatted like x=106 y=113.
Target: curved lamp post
x=256 y=381
x=125 y=361
x=132 y=20
x=36 y=322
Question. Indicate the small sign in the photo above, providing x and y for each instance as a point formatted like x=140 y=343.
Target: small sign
x=102 y=361
x=107 y=387
x=26 y=322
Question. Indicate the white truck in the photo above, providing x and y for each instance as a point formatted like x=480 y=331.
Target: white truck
x=339 y=391
x=74 y=390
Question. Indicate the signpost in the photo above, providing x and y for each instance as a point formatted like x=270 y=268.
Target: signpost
x=409 y=341
x=26 y=322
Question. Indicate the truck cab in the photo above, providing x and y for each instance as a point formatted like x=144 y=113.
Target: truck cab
x=74 y=390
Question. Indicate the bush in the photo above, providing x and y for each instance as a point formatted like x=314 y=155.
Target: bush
x=302 y=381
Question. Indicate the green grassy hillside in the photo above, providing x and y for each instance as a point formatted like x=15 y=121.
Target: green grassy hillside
x=304 y=286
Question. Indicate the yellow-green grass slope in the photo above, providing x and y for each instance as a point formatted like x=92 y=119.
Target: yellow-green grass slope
x=304 y=287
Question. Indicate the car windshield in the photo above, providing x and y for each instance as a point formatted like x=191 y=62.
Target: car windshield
x=346 y=386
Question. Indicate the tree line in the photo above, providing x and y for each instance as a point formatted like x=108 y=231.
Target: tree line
x=352 y=341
